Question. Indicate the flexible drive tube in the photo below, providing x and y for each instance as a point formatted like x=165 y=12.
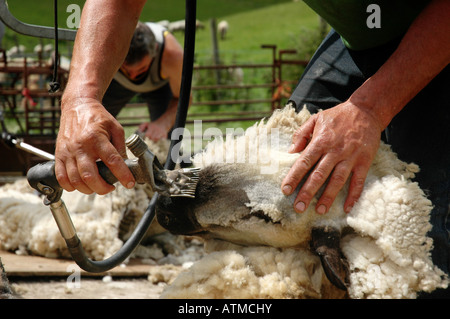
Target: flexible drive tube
x=74 y=244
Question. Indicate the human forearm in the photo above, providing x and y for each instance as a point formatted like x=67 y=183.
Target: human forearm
x=160 y=127
x=340 y=143
x=422 y=54
x=87 y=131
x=167 y=119
x=101 y=45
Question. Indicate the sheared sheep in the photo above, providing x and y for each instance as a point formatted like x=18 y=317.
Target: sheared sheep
x=181 y=24
x=222 y=27
x=261 y=248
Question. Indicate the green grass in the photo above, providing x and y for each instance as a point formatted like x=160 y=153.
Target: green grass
x=252 y=23
x=41 y=12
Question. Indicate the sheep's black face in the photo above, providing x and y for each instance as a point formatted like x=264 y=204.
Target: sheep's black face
x=177 y=214
x=216 y=198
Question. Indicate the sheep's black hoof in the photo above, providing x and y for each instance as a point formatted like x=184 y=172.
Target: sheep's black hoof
x=325 y=243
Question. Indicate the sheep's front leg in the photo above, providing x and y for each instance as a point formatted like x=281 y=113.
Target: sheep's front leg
x=325 y=243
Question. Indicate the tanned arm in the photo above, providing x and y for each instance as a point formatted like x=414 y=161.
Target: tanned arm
x=87 y=131
x=341 y=142
x=171 y=69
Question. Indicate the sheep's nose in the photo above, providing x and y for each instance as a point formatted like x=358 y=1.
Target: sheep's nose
x=175 y=215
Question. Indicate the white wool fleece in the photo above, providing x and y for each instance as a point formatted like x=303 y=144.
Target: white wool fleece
x=391 y=255
x=26 y=223
x=254 y=272
x=385 y=235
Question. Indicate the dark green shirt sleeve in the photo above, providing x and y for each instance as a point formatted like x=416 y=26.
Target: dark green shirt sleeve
x=363 y=27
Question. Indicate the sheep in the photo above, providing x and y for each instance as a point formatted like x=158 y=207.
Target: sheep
x=164 y=23
x=222 y=27
x=16 y=50
x=236 y=75
x=261 y=248
x=46 y=49
x=180 y=25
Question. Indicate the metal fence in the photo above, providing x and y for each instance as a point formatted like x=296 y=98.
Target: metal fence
x=220 y=95
x=231 y=97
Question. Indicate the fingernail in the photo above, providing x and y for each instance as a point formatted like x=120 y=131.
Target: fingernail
x=322 y=209
x=130 y=185
x=300 y=206
x=291 y=149
x=287 y=190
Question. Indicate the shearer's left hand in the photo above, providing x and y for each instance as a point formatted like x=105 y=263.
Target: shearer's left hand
x=338 y=143
x=154 y=130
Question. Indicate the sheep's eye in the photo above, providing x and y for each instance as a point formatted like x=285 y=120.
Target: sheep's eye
x=260 y=214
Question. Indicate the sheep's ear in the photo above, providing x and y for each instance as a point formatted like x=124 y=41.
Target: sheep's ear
x=325 y=243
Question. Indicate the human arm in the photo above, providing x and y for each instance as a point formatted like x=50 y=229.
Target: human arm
x=159 y=128
x=341 y=142
x=171 y=69
x=87 y=131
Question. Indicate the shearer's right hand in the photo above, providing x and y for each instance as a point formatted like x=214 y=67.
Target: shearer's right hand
x=87 y=133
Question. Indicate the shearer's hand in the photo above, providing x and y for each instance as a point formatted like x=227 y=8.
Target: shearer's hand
x=88 y=133
x=337 y=143
x=154 y=130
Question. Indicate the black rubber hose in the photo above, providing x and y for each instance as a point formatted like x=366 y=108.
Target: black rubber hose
x=186 y=80
x=54 y=84
x=74 y=244
x=84 y=262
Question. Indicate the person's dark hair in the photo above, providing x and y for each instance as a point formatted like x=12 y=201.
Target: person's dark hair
x=143 y=43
